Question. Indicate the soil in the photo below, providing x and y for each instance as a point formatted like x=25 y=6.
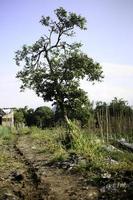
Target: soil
x=33 y=179
x=27 y=175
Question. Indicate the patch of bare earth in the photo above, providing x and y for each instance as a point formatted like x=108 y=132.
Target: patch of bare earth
x=52 y=183
x=27 y=173
x=16 y=181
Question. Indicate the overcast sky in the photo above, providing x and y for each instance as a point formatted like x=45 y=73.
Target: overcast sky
x=108 y=40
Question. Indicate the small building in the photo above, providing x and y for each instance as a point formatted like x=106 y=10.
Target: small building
x=2 y=113
x=7 y=117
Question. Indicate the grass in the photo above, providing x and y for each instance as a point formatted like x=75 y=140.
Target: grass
x=89 y=146
x=50 y=142
x=128 y=137
x=7 y=162
x=50 y=145
x=7 y=135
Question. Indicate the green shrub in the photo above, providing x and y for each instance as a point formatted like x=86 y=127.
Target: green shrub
x=5 y=133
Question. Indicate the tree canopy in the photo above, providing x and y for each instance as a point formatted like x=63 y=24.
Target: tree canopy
x=53 y=66
x=19 y=117
x=44 y=116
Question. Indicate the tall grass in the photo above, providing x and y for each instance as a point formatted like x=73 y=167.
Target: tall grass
x=50 y=142
x=88 y=146
x=5 y=133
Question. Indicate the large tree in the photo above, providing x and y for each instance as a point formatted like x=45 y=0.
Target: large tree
x=53 y=66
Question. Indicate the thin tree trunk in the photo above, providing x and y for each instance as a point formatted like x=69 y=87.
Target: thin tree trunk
x=100 y=125
x=107 y=124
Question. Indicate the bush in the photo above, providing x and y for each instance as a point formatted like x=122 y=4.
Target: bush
x=5 y=133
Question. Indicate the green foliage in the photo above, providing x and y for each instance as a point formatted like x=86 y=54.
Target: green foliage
x=116 y=118
x=91 y=149
x=19 y=116
x=53 y=68
x=41 y=117
x=44 y=117
x=5 y=133
x=24 y=130
x=80 y=109
x=29 y=117
x=51 y=143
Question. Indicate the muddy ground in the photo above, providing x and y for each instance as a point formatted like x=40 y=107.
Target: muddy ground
x=26 y=174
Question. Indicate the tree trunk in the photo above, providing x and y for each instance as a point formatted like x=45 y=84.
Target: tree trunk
x=100 y=125
x=107 y=124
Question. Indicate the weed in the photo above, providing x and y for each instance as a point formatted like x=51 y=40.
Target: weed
x=89 y=146
x=5 y=133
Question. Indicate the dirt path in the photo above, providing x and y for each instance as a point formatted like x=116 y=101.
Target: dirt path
x=30 y=177
x=18 y=180
x=52 y=184
x=25 y=174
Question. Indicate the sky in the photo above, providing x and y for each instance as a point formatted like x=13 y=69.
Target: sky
x=108 y=40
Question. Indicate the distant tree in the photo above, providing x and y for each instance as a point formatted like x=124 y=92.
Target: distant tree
x=118 y=107
x=44 y=117
x=19 y=118
x=115 y=117
x=122 y=115
x=53 y=67
x=30 y=117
